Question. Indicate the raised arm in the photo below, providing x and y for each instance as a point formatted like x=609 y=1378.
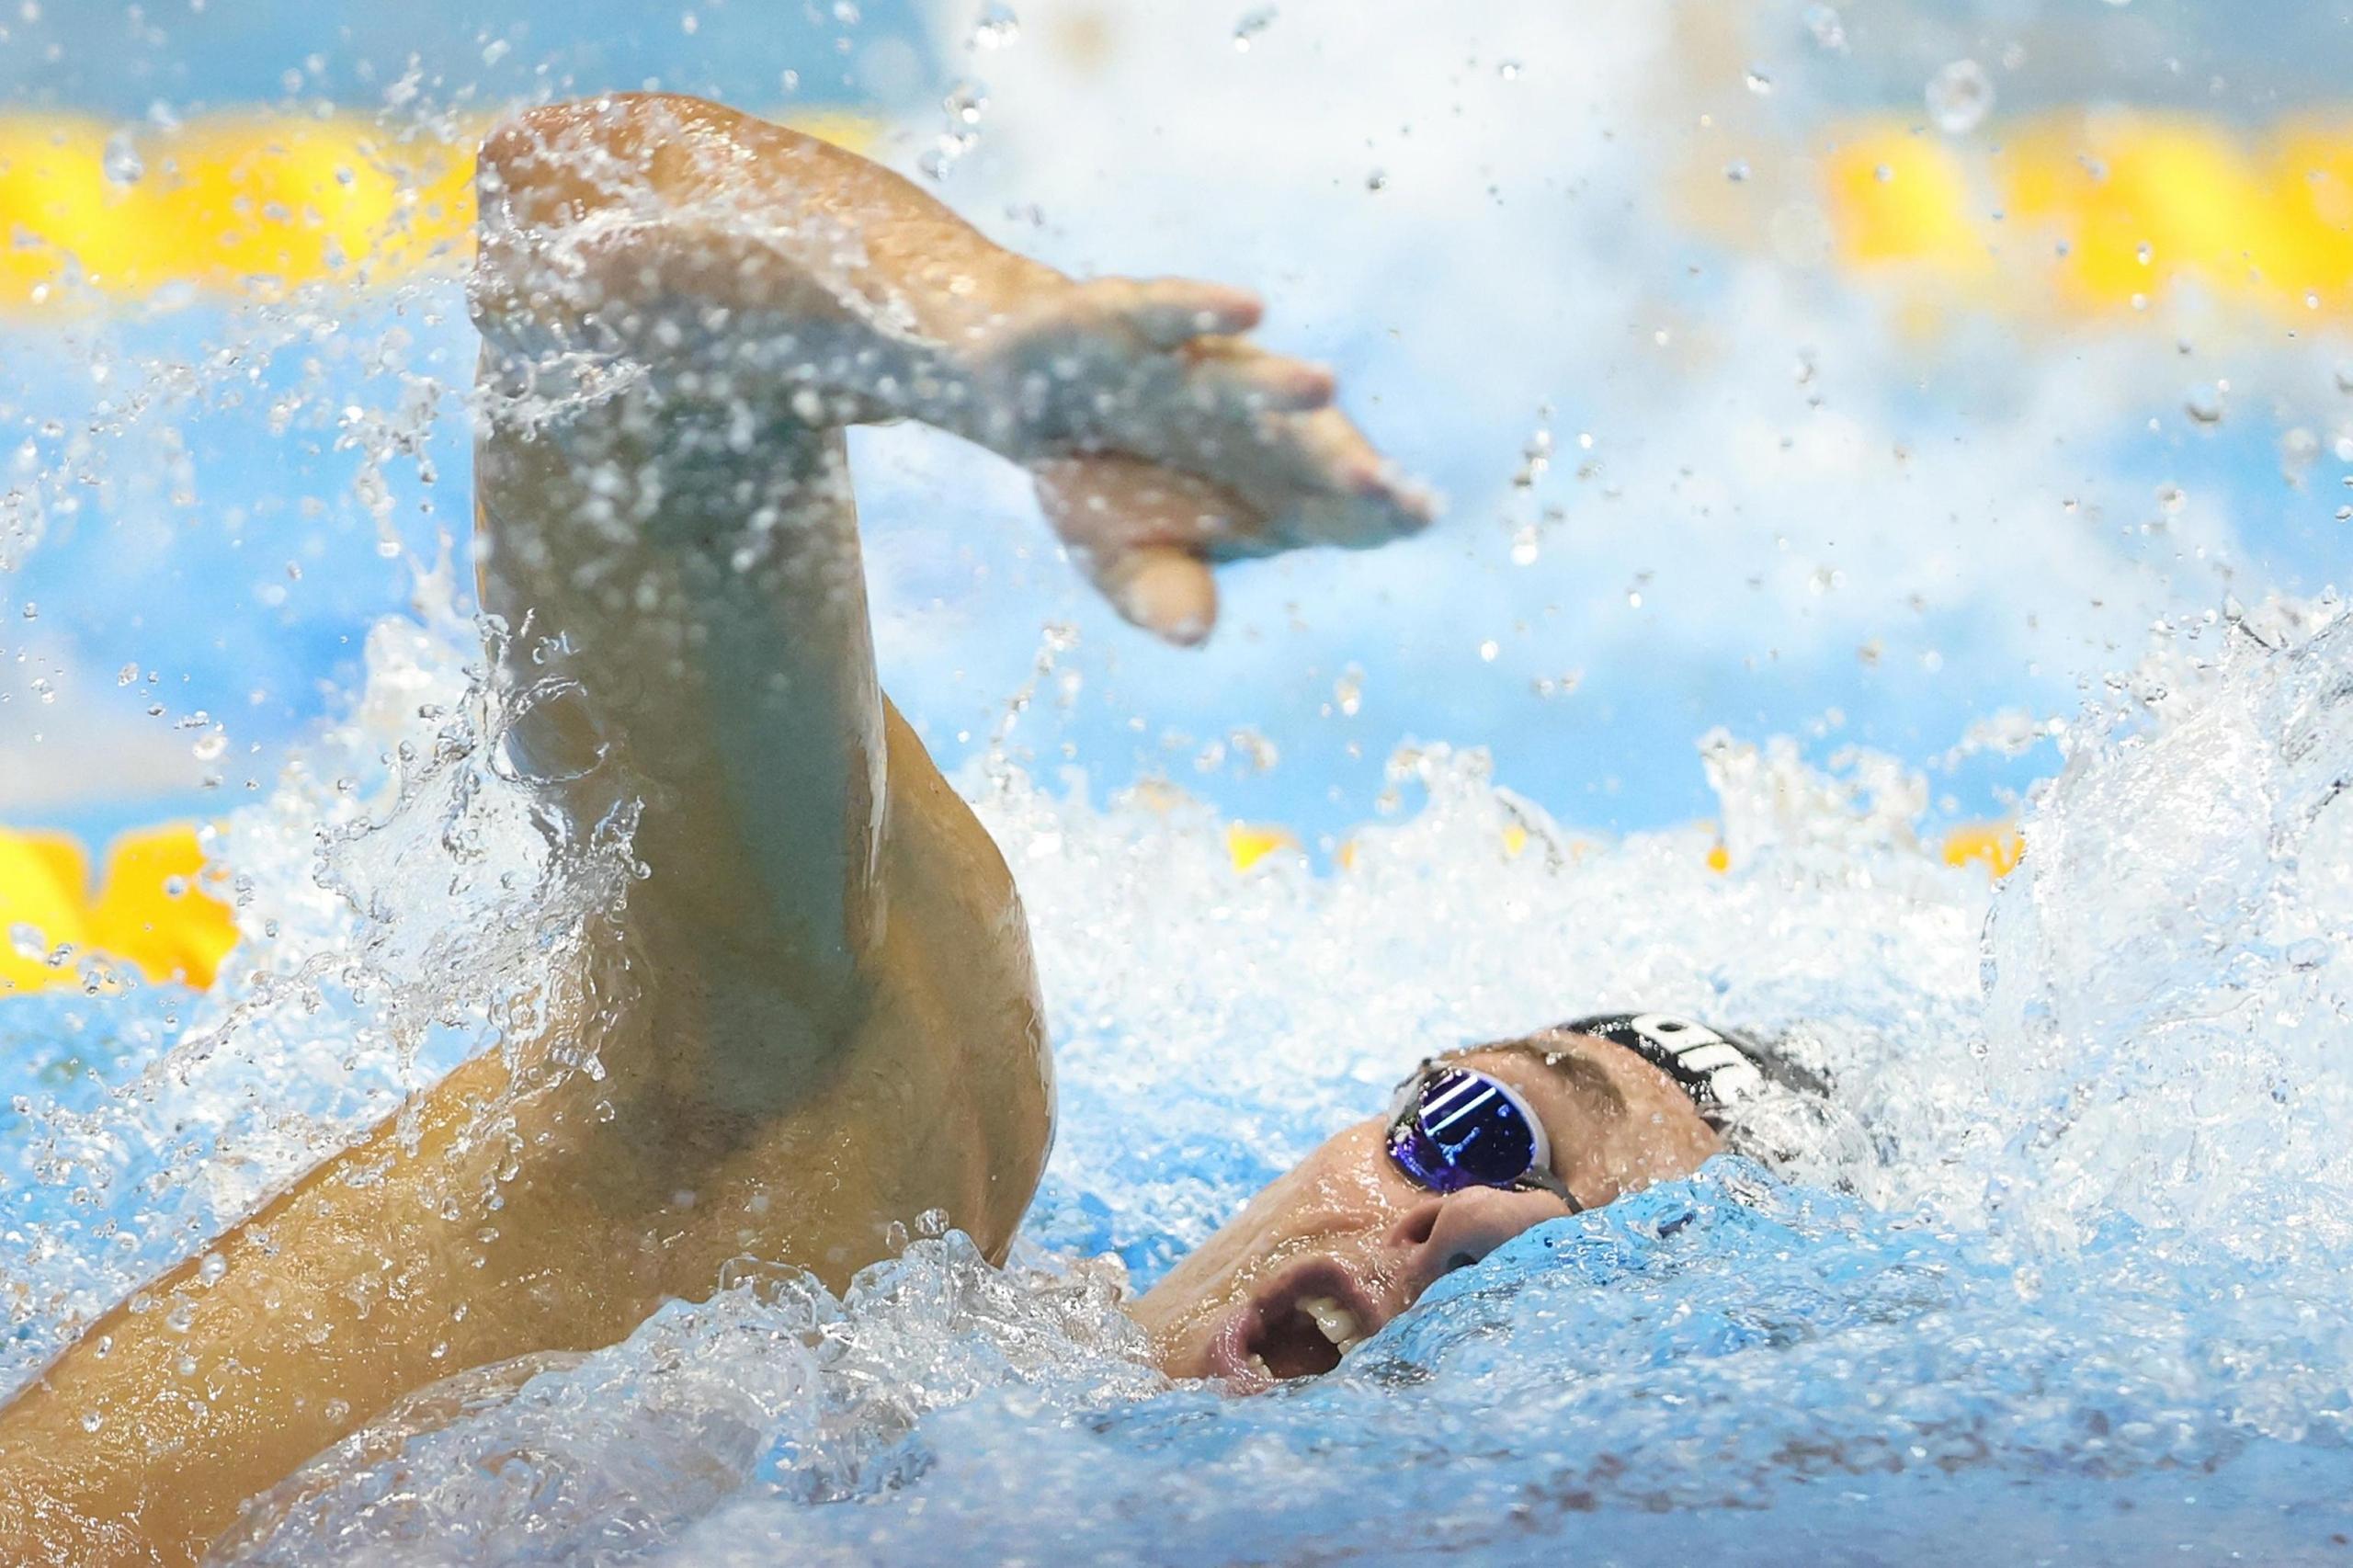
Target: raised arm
x=680 y=307
x=675 y=230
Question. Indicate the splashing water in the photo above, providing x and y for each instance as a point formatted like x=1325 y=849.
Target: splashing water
x=2080 y=1279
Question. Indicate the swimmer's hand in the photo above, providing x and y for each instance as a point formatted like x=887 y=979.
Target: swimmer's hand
x=1162 y=444
x=683 y=233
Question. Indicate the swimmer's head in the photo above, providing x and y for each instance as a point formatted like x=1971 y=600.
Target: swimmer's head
x=1347 y=1240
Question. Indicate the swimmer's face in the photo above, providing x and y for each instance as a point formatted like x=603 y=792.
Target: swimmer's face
x=1329 y=1252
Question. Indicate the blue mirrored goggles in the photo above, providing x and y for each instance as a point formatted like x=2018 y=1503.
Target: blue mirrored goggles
x=1451 y=1128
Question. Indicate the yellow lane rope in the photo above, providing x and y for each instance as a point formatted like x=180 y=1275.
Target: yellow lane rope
x=242 y=205
x=2085 y=214
x=159 y=906
x=2095 y=211
x=1995 y=844
x=157 y=909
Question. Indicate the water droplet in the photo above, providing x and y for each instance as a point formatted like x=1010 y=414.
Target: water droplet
x=2171 y=499
x=1759 y=82
x=966 y=102
x=1736 y=171
x=1960 y=96
x=2204 y=404
x=1348 y=691
x=1509 y=70
x=212 y=1269
x=121 y=160
x=1252 y=24
x=1488 y=650
x=2344 y=513
x=92 y=1421
x=2345 y=377
x=1377 y=180
x=997 y=27
x=1828 y=31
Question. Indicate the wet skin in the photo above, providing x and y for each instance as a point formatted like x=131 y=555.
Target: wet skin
x=1340 y=1245
x=814 y=1011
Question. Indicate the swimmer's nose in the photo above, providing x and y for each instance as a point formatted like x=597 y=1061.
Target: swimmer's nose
x=1440 y=1235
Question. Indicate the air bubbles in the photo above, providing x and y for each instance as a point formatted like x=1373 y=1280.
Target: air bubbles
x=1960 y=96
x=1828 y=30
x=1737 y=171
x=1509 y=70
x=1376 y=179
x=1252 y=24
x=2203 y=403
x=1758 y=82
x=2345 y=377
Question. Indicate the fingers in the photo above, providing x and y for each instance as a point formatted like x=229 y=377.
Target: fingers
x=1170 y=311
x=1159 y=588
x=1266 y=382
x=1318 y=481
x=1142 y=535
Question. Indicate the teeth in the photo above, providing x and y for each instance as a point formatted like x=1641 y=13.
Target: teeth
x=1260 y=1363
x=1338 y=1323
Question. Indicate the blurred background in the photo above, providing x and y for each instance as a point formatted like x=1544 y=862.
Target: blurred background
x=1872 y=375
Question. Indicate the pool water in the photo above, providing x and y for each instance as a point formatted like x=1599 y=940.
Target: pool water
x=2076 y=1296
x=1754 y=549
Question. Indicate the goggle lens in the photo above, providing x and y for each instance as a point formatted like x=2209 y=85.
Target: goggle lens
x=1455 y=1128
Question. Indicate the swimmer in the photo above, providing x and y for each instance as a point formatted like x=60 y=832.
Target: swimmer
x=813 y=1015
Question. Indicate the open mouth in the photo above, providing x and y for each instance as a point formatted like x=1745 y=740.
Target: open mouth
x=1300 y=1328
